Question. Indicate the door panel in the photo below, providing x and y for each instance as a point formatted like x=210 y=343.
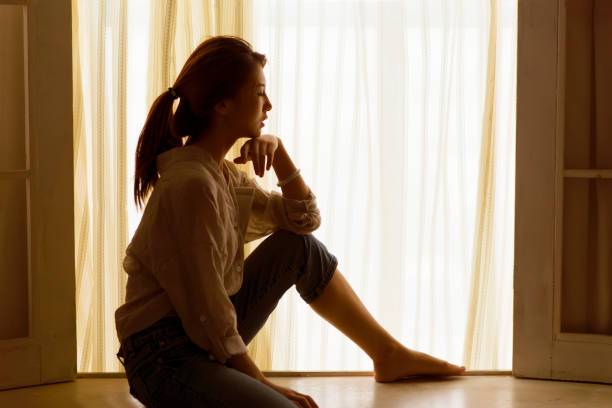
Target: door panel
x=37 y=300
x=563 y=273
x=14 y=296
x=12 y=88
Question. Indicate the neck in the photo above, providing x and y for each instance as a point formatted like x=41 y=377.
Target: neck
x=217 y=150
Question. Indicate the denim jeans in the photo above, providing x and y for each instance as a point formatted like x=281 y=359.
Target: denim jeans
x=164 y=368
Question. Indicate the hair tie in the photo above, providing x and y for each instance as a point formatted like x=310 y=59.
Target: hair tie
x=173 y=93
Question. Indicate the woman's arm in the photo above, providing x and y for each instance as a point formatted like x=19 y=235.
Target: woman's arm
x=284 y=167
x=244 y=363
x=295 y=210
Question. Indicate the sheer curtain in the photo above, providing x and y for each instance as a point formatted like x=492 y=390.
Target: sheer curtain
x=400 y=115
x=125 y=54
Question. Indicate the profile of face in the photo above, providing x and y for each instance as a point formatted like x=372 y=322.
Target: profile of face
x=249 y=109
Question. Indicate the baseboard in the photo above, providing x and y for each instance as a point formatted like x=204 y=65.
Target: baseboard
x=307 y=374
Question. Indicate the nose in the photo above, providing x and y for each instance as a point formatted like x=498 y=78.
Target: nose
x=268 y=104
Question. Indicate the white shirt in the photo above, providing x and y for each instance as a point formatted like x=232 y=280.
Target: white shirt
x=186 y=256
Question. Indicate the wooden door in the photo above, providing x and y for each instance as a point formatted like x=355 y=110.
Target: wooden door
x=37 y=287
x=563 y=238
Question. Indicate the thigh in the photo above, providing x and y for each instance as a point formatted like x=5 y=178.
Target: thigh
x=188 y=378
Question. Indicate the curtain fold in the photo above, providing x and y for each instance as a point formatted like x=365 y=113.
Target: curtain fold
x=400 y=115
x=488 y=337
x=100 y=100
x=482 y=282
x=104 y=104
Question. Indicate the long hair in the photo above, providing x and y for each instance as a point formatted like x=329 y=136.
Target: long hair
x=216 y=70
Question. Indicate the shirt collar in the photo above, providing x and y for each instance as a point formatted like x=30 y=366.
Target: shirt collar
x=168 y=158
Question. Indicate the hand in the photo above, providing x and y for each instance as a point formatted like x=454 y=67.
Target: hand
x=257 y=150
x=301 y=400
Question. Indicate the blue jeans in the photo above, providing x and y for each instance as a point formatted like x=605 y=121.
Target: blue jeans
x=164 y=368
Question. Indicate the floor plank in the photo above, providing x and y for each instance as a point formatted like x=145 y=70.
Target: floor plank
x=351 y=392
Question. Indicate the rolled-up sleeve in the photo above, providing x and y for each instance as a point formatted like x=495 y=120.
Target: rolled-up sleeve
x=193 y=275
x=272 y=211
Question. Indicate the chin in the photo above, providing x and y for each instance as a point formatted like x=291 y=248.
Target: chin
x=251 y=135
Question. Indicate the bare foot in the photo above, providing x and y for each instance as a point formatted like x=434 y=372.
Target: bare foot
x=403 y=362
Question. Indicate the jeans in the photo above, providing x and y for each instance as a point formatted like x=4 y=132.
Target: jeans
x=164 y=368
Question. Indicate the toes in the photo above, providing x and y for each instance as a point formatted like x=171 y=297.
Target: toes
x=453 y=368
x=459 y=370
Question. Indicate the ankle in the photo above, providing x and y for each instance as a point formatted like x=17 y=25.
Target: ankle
x=387 y=351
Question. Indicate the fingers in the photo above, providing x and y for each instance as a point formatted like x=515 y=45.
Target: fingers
x=303 y=403
x=255 y=156
x=259 y=160
x=244 y=151
x=306 y=401
x=312 y=402
x=270 y=159
x=260 y=155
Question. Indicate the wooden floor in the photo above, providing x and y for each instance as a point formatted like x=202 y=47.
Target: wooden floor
x=350 y=392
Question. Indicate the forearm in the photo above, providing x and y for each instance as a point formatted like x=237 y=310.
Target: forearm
x=244 y=363
x=284 y=167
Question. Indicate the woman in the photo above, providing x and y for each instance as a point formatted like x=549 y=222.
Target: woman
x=193 y=302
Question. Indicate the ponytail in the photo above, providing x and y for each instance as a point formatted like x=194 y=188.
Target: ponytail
x=155 y=138
x=215 y=70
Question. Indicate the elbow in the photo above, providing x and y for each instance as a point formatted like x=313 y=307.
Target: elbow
x=315 y=223
x=307 y=223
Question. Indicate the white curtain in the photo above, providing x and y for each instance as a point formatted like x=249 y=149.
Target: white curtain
x=124 y=54
x=401 y=115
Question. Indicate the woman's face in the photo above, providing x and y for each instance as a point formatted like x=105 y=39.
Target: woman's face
x=252 y=106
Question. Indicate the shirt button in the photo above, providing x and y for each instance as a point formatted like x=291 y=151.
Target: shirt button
x=202 y=319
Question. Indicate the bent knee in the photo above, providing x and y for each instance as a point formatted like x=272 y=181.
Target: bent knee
x=290 y=238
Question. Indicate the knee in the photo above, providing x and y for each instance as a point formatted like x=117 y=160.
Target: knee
x=308 y=244
x=306 y=241
x=291 y=238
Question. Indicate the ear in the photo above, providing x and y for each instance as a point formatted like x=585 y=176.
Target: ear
x=224 y=107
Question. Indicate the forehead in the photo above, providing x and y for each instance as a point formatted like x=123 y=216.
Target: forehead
x=259 y=78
